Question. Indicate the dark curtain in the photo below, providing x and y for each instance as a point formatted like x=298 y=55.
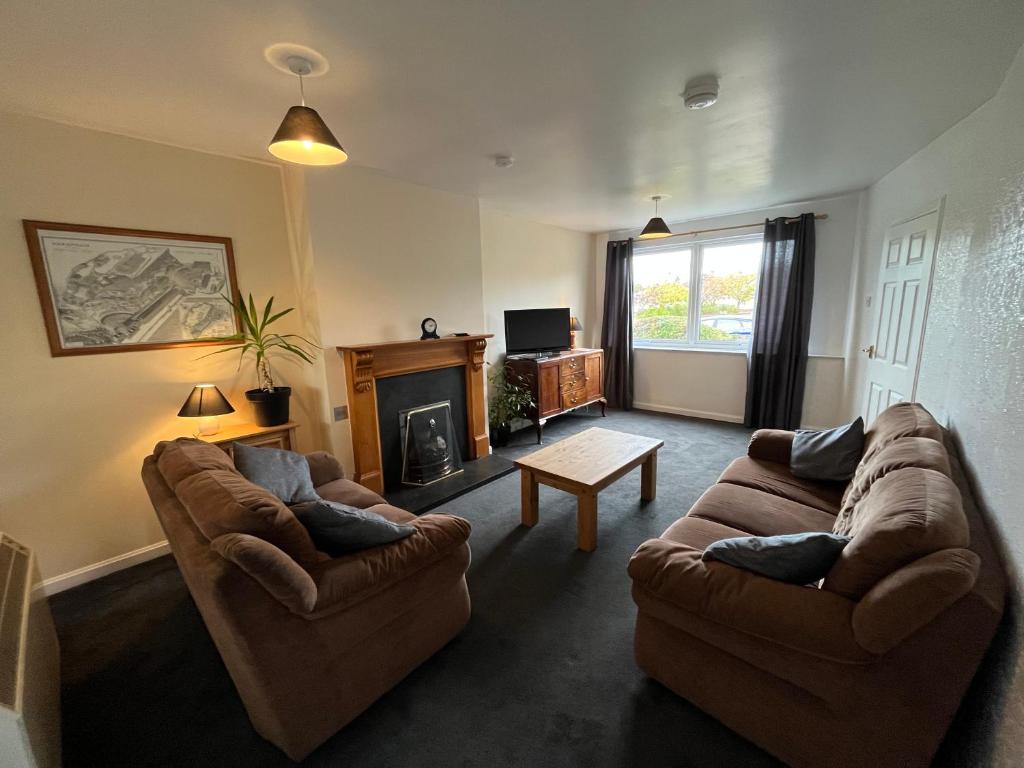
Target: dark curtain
x=782 y=322
x=617 y=331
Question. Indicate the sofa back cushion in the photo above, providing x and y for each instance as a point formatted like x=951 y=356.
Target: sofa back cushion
x=901 y=453
x=896 y=421
x=908 y=514
x=221 y=502
x=186 y=456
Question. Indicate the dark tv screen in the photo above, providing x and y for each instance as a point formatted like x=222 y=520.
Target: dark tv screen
x=536 y=330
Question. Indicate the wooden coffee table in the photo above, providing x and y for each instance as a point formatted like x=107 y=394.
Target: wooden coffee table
x=583 y=465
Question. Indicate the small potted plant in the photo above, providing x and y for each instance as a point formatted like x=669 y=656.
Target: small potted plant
x=510 y=398
x=270 y=403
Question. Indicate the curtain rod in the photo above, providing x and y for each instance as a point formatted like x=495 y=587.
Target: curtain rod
x=818 y=217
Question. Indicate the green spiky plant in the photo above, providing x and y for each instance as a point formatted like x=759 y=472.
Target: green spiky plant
x=255 y=338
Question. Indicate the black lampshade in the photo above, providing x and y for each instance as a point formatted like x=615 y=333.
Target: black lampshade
x=304 y=138
x=655 y=228
x=574 y=324
x=205 y=400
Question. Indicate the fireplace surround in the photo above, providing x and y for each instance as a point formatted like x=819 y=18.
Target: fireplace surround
x=367 y=365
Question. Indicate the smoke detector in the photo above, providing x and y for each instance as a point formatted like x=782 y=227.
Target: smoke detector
x=504 y=161
x=701 y=92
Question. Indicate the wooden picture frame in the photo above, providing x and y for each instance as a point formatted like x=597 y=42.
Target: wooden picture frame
x=107 y=289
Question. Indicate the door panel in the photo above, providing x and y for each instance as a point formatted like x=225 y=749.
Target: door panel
x=594 y=376
x=901 y=311
x=550 y=396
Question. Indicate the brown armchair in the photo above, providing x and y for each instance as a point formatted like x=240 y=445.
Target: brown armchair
x=309 y=641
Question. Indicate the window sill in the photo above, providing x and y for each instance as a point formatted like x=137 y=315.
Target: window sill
x=681 y=348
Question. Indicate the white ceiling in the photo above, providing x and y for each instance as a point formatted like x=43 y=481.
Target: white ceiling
x=818 y=96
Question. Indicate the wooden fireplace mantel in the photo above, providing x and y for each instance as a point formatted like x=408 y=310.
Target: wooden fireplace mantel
x=365 y=363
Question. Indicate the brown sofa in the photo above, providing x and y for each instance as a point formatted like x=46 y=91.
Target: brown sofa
x=869 y=668
x=309 y=641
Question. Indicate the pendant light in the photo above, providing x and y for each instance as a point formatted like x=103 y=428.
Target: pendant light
x=656 y=227
x=304 y=137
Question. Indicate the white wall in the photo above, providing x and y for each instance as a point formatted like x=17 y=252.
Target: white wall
x=972 y=374
x=527 y=265
x=712 y=384
x=76 y=429
x=384 y=254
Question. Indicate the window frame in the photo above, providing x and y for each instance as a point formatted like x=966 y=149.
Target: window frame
x=695 y=289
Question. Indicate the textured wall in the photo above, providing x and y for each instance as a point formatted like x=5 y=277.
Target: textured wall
x=972 y=374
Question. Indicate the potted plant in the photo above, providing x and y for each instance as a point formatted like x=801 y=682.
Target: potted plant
x=269 y=402
x=510 y=398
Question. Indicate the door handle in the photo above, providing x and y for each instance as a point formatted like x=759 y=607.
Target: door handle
x=870 y=350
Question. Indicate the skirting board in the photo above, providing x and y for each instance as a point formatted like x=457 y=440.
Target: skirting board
x=688 y=412
x=702 y=414
x=56 y=584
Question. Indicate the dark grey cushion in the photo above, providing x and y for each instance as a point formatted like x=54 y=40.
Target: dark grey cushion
x=799 y=558
x=338 y=529
x=284 y=473
x=828 y=454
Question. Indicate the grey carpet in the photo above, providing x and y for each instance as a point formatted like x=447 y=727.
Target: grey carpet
x=542 y=676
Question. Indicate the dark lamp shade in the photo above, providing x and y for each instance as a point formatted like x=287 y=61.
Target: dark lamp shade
x=575 y=325
x=655 y=228
x=304 y=138
x=205 y=400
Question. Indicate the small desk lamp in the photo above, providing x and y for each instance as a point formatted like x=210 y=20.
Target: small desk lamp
x=206 y=403
x=574 y=325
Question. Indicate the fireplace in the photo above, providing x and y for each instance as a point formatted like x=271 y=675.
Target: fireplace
x=415 y=396
x=385 y=379
x=430 y=446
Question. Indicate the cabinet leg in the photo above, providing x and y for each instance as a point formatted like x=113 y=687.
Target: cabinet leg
x=529 y=487
x=540 y=430
x=586 y=521
x=603 y=414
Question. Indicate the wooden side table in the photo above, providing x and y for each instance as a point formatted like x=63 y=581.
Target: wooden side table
x=280 y=436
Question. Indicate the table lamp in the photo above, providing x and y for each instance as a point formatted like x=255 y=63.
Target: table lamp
x=574 y=325
x=206 y=403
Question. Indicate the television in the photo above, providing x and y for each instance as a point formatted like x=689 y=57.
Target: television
x=536 y=330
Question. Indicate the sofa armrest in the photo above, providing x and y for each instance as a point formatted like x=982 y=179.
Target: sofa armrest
x=275 y=571
x=771 y=445
x=803 y=619
x=907 y=599
x=324 y=467
x=344 y=581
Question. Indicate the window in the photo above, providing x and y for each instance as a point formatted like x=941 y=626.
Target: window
x=721 y=278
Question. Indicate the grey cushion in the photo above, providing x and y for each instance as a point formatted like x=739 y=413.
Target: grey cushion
x=338 y=529
x=828 y=454
x=284 y=473
x=798 y=558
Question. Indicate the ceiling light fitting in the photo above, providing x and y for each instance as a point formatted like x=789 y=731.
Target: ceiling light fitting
x=656 y=227
x=701 y=92
x=303 y=136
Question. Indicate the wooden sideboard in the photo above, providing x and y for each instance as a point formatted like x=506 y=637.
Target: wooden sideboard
x=281 y=436
x=561 y=382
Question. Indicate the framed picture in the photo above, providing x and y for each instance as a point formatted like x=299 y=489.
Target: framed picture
x=104 y=289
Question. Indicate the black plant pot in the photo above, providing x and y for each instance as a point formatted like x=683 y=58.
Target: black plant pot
x=270 y=408
x=500 y=435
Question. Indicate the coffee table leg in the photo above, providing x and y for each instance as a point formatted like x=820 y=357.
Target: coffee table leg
x=649 y=477
x=586 y=522
x=529 y=484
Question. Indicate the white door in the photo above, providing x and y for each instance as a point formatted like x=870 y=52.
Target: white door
x=900 y=308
